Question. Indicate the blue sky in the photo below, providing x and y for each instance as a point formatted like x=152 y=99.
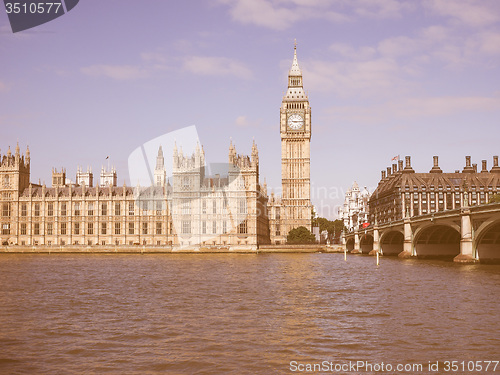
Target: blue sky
x=384 y=78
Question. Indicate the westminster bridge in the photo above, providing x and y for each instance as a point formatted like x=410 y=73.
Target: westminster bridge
x=466 y=234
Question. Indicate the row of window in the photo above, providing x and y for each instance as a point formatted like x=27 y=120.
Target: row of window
x=449 y=199
x=78 y=228
x=423 y=209
x=440 y=195
x=186 y=227
x=91 y=229
x=205 y=227
x=295 y=81
x=242 y=206
x=456 y=188
x=78 y=210
x=295 y=105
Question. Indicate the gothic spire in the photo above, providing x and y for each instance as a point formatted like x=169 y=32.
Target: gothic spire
x=295 y=70
x=160 y=161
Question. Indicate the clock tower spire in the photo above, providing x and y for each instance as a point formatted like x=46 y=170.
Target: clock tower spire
x=295 y=130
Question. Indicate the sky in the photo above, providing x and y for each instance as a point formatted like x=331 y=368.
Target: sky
x=384 y=78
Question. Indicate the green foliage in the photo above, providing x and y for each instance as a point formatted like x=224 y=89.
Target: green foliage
x=495 y=198
x=334 y=228
x=300 y=235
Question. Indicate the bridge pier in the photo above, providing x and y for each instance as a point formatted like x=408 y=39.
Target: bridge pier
x=466 y=243
x=376 y=241
x=408 y=240
x=357 y=248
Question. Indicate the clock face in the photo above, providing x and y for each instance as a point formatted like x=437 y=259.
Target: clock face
x=295 y=121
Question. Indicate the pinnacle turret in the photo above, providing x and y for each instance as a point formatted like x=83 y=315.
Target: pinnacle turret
x=295 y=70
x=160 y=161
x=295 y=86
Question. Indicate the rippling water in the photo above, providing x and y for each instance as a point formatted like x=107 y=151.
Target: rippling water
x=240 y=314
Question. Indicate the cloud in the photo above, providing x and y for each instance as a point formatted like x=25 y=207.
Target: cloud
x=156 y=61
x=3 y=87
x=440 y=106
x=157 y=57
x=6 y=29
x=283 y=14
x=395 y=62
x=241 y=122
x=280 y=14
x=443 y=44
x=487 y=43
x=216 y=66
x=371 y=78
x=350 y=52
x=401 y=46
x=262 y=13
x=117 y=72
x=470 y=12
x=244 y=122
x=412 y=108
x=381 y=8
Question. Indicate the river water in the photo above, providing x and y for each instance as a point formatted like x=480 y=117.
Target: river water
x=244 y=314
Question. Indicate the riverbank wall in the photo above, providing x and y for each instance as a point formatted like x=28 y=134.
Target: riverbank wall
x=142 y=249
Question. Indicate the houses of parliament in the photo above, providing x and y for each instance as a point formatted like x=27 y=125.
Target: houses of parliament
x=192 y=209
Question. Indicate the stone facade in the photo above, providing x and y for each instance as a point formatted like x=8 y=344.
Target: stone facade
x=221 y=211
x=275 y=211
x=403 y=193
x=293 y=209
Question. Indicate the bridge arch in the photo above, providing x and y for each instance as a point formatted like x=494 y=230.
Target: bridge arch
x=366 y=243
x=391 y=242
x=437 y=241
x=417 y=231
x=488 y=242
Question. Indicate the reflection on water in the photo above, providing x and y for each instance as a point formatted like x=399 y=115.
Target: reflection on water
x=215 y=314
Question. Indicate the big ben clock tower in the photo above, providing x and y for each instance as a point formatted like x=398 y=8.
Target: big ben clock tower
x=295 y=129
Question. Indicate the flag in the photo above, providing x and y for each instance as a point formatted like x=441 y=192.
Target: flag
x=366 y=225
x=395 y=158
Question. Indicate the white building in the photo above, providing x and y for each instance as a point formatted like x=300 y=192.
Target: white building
x=84 y=178
x=108 y=178
x=355 y=210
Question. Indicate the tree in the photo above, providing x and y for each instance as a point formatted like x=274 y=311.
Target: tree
x=300 y=235
x=334 y=228
x=495 y=198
